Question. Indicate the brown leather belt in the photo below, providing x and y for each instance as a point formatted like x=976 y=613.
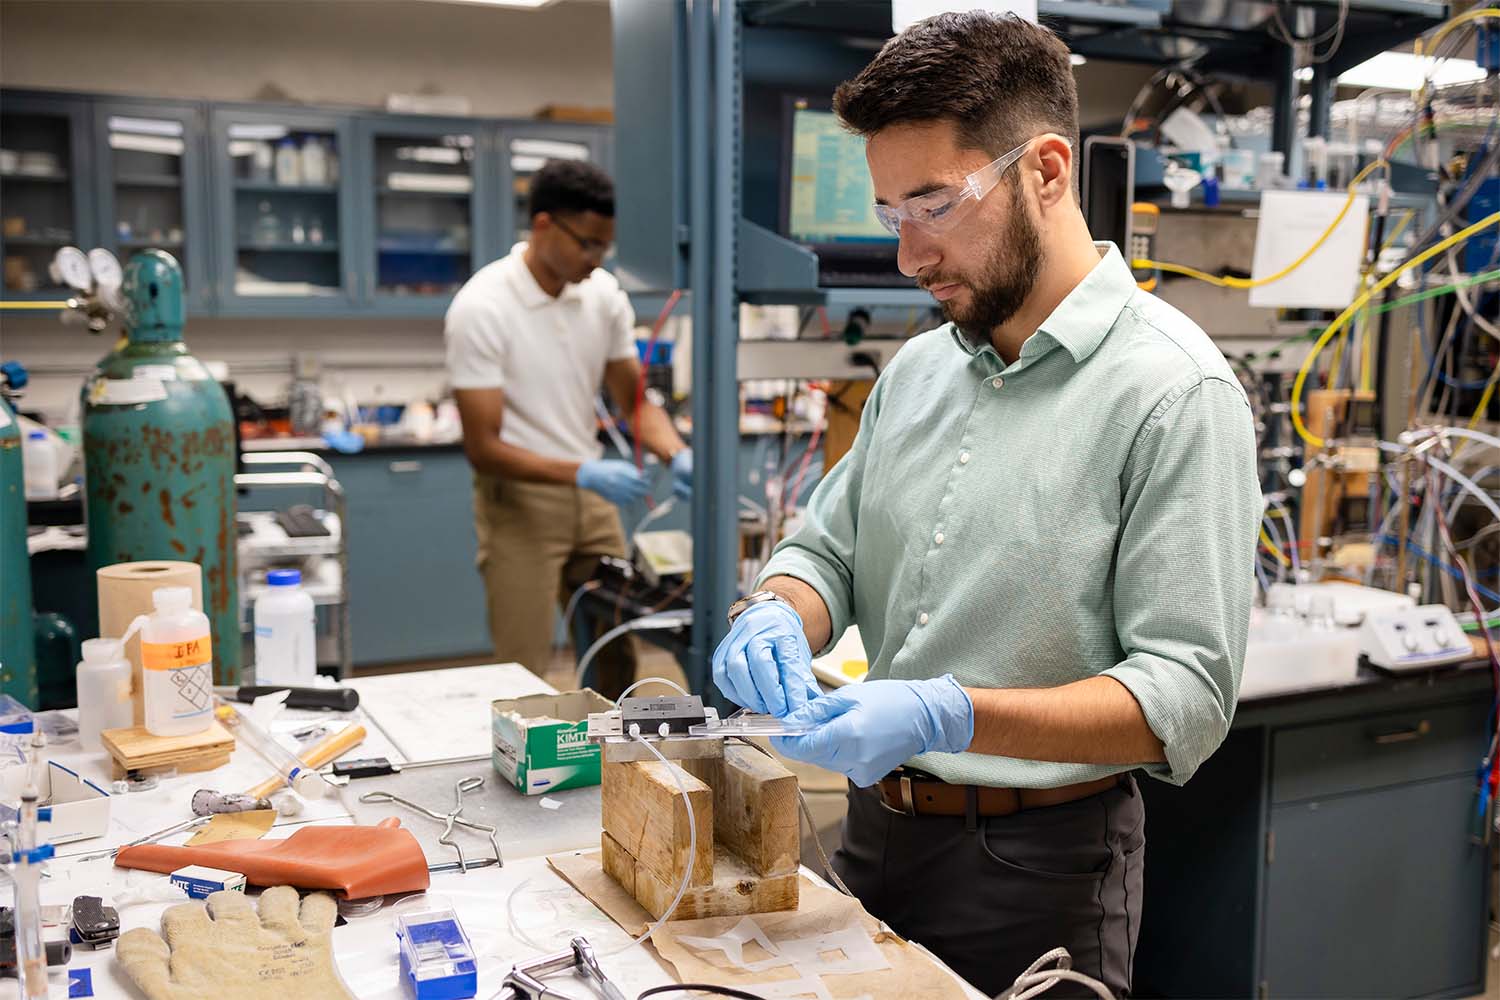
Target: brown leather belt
x=919 y=795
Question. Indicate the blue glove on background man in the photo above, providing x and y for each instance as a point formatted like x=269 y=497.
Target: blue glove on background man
x=764 y=662
x=682 y=474
x=616 y=481
x=867 y=730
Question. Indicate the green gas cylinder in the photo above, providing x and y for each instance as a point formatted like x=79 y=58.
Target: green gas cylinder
x=158 y=449
x=17 y=653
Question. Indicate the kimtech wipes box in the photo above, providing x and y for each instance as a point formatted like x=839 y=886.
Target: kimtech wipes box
x=540 y=742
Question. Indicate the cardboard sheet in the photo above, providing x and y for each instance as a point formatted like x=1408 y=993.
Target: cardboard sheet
x=912 y=973
x=234 y=826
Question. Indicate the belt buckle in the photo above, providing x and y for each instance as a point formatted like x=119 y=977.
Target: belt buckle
x=908 y=808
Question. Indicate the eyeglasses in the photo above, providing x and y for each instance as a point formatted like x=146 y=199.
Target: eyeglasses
x=591 y=247
x=939 y=211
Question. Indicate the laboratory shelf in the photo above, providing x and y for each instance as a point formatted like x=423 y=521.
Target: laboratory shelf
x=148 y=181
x=37 y=241
x=134 y=244
x=16 y=176
x=458 y=251
x=390 y=192
x=271 y=187
x=324 y=247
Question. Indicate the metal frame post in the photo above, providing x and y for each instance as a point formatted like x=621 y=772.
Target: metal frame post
x=713 y=211
x=1284 y=105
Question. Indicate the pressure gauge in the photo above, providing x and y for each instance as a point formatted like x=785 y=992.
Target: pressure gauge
x=106 y=268
x=70 y=267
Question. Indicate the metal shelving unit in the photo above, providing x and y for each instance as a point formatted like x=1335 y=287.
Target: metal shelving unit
x=691 y=90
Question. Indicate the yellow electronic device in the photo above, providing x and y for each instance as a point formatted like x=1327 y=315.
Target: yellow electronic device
x=1144 y=217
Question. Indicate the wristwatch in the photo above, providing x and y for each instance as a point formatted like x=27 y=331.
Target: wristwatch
x=759 y=597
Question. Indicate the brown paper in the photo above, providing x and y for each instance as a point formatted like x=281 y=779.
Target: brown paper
x=234 y=826
x=125 y=592
x=913 y=974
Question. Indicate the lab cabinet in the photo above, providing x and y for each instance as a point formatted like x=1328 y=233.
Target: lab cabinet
x=523 y=148
x=427 y=209
x=46 y=189
x=152 y=186
x=284 y=212
x=1329 y=848
x=414 y=591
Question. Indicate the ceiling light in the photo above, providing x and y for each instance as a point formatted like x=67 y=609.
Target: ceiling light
x=1406 y=71
x=1076 y=59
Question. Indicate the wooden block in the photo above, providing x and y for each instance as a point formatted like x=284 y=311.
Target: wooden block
x=755 y=808
x=135 y=749
x=618 y=864
x=736 y=890
x=642 y=809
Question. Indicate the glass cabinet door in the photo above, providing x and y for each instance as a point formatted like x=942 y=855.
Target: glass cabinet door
x=427 y=204
x=151 y=193
x=282 y=212
x=44 y=178
x=523 y=150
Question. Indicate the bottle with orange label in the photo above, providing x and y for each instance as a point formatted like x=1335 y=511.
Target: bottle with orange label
x=177 y=665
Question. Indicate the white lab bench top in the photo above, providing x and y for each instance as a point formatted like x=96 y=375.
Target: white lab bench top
x=425 y=715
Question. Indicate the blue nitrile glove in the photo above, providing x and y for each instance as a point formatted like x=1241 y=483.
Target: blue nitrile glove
x=682 y=474
x=618 y=482
x=867 y=730
x=764 y=662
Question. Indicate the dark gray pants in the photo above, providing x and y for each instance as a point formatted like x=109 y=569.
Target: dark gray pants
x=990 y=901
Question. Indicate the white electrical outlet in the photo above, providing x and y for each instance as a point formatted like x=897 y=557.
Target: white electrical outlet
x=1413 y=638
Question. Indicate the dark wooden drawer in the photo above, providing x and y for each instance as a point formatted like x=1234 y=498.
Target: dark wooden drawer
x=1419 y=744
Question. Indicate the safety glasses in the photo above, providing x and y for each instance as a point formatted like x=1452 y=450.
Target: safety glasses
x=939 y=211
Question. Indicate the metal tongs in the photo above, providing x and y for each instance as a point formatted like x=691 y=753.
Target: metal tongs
x=524 y=982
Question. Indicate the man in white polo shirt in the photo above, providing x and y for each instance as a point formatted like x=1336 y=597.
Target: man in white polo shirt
x=531 y=338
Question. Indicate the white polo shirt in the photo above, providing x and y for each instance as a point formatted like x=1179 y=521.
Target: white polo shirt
x=547 y=354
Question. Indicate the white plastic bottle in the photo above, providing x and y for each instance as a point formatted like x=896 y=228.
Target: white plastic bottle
x=288 y=163
x=314 y=161
x=177 y=661
x=39 y=461
x=286 y=632
x=103 y=690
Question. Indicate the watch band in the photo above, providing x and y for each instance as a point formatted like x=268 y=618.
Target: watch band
x=750 y=600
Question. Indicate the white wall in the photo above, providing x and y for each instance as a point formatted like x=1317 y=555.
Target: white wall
x=507 y=62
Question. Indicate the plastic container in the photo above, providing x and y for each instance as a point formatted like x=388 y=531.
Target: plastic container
x=103 y=690
x=177 y=665
x=40 y=460
x=314 y=161
x=286 y=624
x=288 y=163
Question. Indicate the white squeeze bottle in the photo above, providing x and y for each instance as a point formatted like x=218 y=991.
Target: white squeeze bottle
x=286 y=632
x=177 y=665
x=103 y=690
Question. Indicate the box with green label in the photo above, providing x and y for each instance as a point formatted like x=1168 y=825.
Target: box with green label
x=540 y=742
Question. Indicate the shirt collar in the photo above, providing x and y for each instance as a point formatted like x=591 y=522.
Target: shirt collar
x=524 y=284
x=1084 y=317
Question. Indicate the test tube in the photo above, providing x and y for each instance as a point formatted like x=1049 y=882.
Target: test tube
x=297 y=776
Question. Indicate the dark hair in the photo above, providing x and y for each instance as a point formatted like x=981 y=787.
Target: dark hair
x=1000 y=79
x=572 y=186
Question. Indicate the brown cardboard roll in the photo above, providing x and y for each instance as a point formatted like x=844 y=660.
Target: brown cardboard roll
x=125 y=592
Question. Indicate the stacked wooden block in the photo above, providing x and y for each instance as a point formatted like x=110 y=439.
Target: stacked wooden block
x=748 y=843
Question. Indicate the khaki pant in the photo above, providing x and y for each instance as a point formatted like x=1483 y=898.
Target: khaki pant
x=537 y=543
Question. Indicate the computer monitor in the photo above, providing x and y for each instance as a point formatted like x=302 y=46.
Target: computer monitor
x=827 y=197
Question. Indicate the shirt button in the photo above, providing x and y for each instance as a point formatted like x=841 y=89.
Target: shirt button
x=997 y=382
x=963 y=458
x=938 y=538
x=922 y=619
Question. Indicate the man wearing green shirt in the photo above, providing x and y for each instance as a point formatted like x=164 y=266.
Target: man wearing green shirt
x=1044 y=531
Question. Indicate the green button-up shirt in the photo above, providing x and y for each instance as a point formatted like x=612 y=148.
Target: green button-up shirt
x=1089 y=509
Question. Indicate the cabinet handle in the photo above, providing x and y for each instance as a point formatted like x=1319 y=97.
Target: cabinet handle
x=1416 y=732
x=405 y=467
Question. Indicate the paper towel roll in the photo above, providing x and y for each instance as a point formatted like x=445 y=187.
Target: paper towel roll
x=125 y=591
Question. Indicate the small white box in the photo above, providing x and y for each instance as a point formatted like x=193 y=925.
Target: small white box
x=201 y=881
x=80 y=808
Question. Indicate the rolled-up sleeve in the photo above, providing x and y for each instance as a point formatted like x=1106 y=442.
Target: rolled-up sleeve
x=821 y=552
x=1183 y=580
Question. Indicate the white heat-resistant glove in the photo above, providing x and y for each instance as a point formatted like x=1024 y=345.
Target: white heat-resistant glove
x=228 y=951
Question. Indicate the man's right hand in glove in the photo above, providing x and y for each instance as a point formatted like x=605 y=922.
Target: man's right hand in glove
x=764 y=663
x=616 y=481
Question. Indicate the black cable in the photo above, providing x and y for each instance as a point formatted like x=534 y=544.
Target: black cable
x=718 y=991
